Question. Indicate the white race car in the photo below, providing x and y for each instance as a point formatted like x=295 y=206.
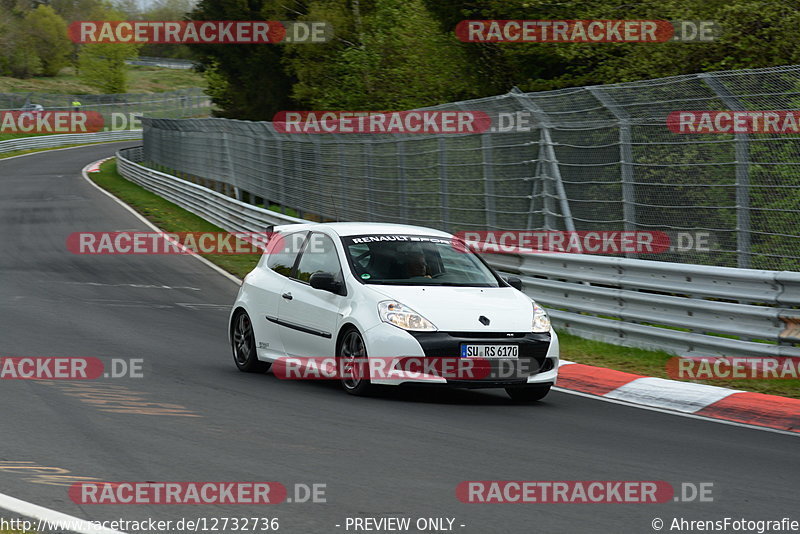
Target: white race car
x=385 y=301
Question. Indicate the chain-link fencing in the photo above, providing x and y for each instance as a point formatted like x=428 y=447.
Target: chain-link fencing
x=178 y=104
x=598 y=158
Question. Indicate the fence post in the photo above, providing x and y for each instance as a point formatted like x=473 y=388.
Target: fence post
x=295 y=180
x=281 y=175
x=547 y=184
x=315 y=141
x=443 y=189
x=367 y=151
x=741 y=143
x=625 y=159
x=550 y=156
x=488 y=182
x=403 y=179
x=231 y=177
x=344 y=179
x=625 y=155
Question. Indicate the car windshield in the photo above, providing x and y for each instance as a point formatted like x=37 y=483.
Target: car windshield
x=413 y=260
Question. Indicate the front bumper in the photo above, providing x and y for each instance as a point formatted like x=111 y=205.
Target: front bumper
x=537 y=363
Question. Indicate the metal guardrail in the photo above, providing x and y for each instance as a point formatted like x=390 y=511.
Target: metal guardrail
x=53 y=141
x=226 y=212
x=163 y=62
x=684 y=309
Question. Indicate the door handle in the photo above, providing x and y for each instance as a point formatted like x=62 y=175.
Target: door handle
x=287 y=296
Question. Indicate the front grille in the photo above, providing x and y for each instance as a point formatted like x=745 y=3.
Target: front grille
x=488 y=335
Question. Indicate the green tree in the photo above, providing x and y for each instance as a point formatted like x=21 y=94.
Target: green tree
x=390 y=54
x=46 y=35
x=166 y=10
x=102 y=65
x=245 y=81
x=17 y=56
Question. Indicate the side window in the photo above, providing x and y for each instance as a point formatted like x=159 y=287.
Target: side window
x=282 y=252
x=319 y=255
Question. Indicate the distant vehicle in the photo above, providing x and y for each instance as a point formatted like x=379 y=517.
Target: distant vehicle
x=354 y=292
x=35 y=108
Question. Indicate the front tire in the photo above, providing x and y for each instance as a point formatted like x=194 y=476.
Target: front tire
x=353 y=364
x=525 y=395
x=243 y=343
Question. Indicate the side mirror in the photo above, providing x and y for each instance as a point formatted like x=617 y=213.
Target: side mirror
x=325 y=282
x=514 y=282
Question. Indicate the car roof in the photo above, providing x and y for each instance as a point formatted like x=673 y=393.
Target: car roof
x=359 y=228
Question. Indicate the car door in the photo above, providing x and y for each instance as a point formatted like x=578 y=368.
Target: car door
x=264 y=287
x=309 y=318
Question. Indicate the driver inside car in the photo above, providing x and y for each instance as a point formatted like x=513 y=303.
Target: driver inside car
x=416 y=265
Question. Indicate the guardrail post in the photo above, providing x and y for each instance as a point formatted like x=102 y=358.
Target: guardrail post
x=742 y=152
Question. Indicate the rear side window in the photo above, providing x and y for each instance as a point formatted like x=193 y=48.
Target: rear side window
x=319 y=256
x=282 y=252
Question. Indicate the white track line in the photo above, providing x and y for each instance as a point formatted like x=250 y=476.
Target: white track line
x=57 y=520
x=35 y=511
x=65 y=148
x=671 y=412
x=150 y=225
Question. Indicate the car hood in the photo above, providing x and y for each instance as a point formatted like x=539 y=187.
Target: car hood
x=457 y=309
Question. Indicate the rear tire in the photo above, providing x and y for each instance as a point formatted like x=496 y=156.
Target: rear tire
x=243 y=343
x=353 y=364
x=525 y=395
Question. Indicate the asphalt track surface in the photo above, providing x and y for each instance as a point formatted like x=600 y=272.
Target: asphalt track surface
x=401 y=453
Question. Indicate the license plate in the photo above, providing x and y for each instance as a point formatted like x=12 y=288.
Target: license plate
x=490 y=351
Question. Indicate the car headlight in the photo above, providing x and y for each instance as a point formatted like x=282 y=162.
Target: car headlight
x=393 y=312
x=541 y=322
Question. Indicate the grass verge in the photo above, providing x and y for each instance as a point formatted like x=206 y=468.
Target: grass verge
x=141 y=79
x=172 y=218
x=168 y=216
x=31 y=151
x=653 y=363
